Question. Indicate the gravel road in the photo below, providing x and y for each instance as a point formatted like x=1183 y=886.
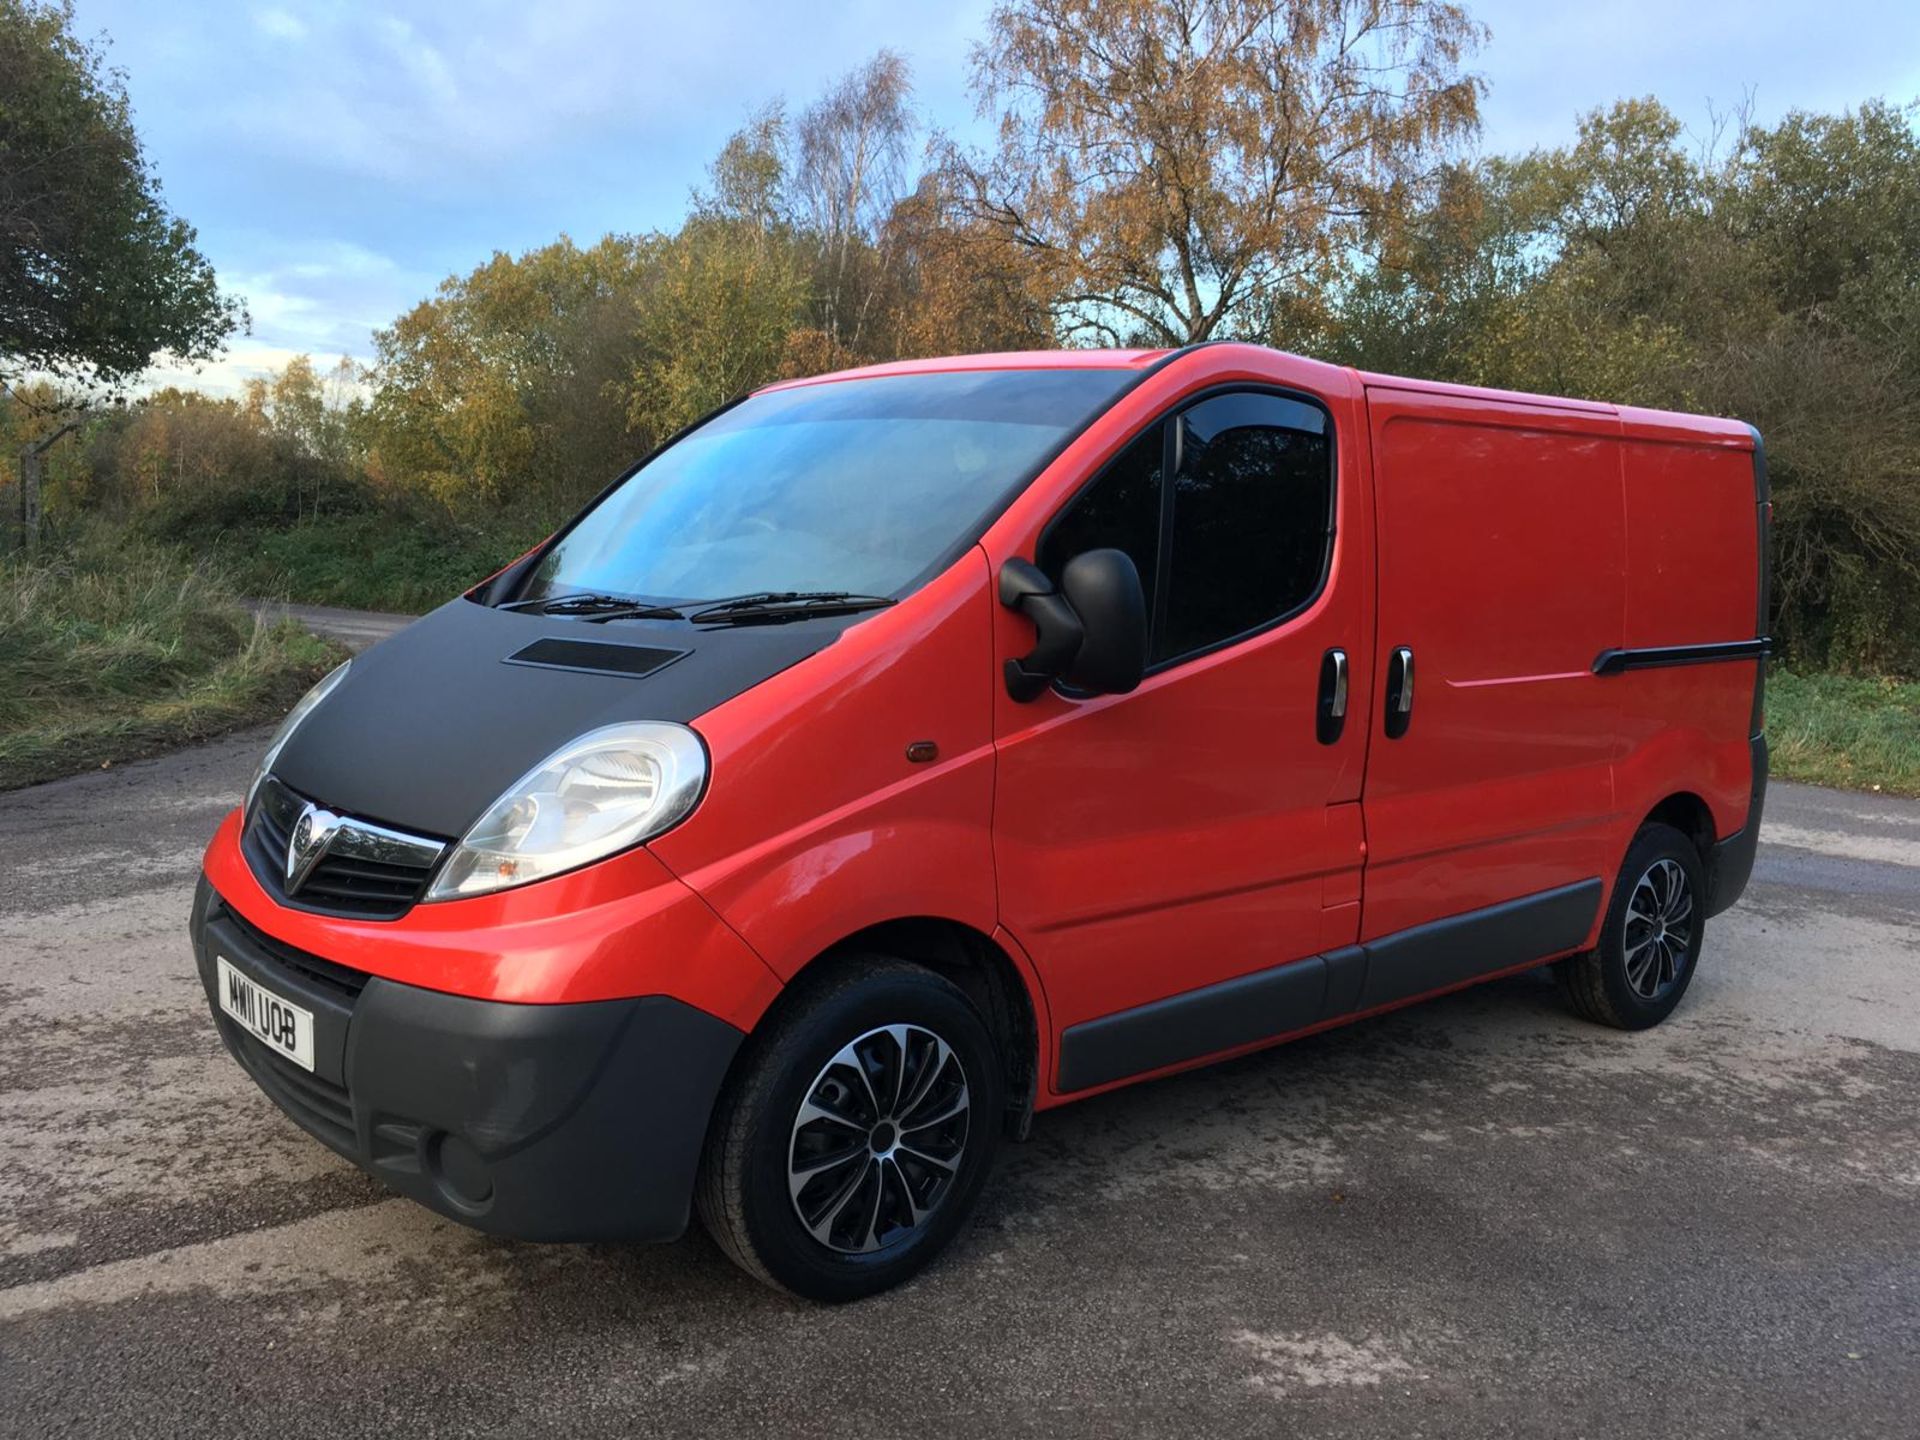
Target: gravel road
x=1481 y=1216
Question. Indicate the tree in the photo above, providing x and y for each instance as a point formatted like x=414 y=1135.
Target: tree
x=727 y=293
x=1179 y=166
x=959 y=286
x=851 y=172
x=317 y=414
x=1831 y=207
x=96 y=276
x=1777 y=282
x=507 y=386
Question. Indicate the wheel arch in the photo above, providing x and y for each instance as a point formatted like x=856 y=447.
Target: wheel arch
x=1691 y=816
x=980 y=965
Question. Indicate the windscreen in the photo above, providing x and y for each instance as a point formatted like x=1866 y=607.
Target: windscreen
x=854 y=485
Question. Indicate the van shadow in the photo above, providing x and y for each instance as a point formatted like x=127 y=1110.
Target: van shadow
x=1277 y=1120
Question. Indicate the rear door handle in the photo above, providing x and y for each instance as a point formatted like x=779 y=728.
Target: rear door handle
x=1331 y=717
x=1399 y=692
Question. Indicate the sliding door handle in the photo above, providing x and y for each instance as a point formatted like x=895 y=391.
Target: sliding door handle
x=1331 y=717
x=1399 y=692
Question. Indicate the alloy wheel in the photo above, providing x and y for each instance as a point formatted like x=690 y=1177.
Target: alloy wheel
x=878 y=1141
x=1659 y=930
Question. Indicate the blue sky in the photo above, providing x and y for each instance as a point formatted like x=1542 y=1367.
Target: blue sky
x=341 y=158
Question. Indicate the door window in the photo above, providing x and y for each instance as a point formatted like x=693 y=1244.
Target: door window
x=1120 y=510
x=1238 y=542
x=1251 y=519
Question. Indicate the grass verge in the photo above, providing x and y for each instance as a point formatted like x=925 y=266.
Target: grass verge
x=112 y=649
x=365 y=561
x=1834 y=730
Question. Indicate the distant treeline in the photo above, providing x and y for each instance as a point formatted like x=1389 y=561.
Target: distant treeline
x=1772 y=274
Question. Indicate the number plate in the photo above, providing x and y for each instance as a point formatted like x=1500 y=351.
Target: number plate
x=280 y=1025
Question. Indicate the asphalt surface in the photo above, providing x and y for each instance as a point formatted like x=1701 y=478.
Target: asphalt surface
x=1477 y=1217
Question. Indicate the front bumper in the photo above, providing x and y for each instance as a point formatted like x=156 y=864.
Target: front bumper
x=540 y=1122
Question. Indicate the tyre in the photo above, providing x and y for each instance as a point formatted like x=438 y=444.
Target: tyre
x=851 y=1144
x=1650 y=941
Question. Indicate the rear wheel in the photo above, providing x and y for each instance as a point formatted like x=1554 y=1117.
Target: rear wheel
x=1650 y=941
x=852 y=1144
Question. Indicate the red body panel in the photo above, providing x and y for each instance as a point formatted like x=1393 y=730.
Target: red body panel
x=1694 y=577
x=1123 y=849
x=816 y=825
x=622 y=927
x=1502 y=548
x=1010 y=360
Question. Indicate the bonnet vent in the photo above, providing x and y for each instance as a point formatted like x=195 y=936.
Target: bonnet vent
x=596 y=657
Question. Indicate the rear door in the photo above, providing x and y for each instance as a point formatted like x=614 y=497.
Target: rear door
x=1206 y=826
x=1502 y=559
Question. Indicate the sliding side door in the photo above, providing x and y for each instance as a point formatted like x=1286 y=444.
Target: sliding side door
x=1489 y=791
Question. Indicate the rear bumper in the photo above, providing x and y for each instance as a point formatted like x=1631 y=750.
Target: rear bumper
x=539 y=1122
x=1730 y=862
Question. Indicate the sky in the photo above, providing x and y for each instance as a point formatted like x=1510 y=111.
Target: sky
x=340 y=159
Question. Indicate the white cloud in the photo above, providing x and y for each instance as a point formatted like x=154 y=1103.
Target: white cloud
x=279 y=25
x=322 y=299
x=448 y=96
x=245 y=360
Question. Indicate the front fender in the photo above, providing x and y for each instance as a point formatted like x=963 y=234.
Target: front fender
x=816 y=823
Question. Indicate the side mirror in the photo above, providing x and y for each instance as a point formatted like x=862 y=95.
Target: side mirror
x=1092 y=629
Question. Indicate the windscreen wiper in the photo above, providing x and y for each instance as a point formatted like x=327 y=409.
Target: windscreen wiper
x=586 y=605
x=773 y=607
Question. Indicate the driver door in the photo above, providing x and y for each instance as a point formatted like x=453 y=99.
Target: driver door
x=1165 y=856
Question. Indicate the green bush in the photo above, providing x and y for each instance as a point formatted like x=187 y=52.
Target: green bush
x=390 y=558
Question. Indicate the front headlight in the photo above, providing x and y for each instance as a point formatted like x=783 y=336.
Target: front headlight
x=307 y=705
x=606 y=791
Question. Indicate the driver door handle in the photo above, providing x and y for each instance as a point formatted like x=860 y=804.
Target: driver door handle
x=1331 y=716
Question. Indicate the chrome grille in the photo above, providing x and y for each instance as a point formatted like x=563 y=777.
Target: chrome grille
x=366 y=870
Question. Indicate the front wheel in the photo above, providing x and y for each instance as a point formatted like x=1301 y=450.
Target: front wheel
x=851 y=1146
x=1650 y=941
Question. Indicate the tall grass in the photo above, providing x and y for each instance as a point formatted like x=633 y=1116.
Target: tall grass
x=366 y=560
x=1836 y=730
x=112 y=648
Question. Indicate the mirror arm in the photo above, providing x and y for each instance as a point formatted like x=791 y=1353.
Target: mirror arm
x=1025 y=588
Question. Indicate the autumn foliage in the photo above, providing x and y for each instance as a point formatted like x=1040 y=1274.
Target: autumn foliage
x=1153 y=172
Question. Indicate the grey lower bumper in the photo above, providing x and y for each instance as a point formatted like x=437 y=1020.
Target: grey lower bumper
x=1730 y=863
x=540 y=1122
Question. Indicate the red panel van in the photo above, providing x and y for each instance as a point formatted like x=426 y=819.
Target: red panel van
x=898 y=753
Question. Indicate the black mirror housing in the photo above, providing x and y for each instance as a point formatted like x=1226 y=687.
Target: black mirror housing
x=1103 y=587
x=1092 y=627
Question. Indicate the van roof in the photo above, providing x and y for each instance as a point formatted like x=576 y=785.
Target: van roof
x=1635 y=420
x=1000 y=360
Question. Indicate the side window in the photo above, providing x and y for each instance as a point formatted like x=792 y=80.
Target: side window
x=1121 y=509
x=1252 y=519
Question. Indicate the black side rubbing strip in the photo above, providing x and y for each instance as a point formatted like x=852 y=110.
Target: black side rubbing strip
x=1355 y=978
x=1618 y=662
x=1201 y=1022
x=1446 y=952
x=595 y=656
